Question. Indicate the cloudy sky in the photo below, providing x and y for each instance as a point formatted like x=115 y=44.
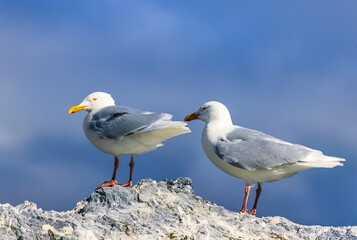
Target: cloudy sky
x=287 y=68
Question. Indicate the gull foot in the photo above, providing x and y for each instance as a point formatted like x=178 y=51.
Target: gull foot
x=110 y=183
x=253 y=211
x=243 y=210
x=128 y=184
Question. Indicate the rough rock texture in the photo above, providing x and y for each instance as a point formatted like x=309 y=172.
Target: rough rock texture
x=152 y=210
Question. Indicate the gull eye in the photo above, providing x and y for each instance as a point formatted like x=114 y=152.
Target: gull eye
x=94 y=99
x=204 y=108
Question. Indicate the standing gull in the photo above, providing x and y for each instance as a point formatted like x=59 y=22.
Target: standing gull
x=120 y=130
x=252 y=155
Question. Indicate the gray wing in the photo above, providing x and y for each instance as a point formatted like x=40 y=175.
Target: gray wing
x=251 y=150
x=118 y=121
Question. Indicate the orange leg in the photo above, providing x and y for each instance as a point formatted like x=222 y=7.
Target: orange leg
x=130 y=182
x=258 y=192
x=112 y=182
x=244 y=207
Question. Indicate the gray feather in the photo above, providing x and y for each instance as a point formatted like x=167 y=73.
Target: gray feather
x=118 y=121
x=251 y=150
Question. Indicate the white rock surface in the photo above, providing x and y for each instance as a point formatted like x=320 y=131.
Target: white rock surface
x=152 y=210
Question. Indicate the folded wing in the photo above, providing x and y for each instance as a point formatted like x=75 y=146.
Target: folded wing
x=115 y=122
x=252 y=150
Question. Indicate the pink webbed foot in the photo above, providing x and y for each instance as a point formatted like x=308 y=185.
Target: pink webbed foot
x=110 y=183
x=253 y=211
x=128 y=184
x=243 y=210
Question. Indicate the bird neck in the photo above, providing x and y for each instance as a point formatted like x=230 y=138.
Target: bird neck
x=219 y=123
x=98 y=107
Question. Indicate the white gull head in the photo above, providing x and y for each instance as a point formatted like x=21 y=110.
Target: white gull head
x=213 y=113
x=94 y=102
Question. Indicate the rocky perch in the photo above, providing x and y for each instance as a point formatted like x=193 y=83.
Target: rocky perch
x=152 y=210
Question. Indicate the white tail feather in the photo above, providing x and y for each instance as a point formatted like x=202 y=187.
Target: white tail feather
x=318 y=160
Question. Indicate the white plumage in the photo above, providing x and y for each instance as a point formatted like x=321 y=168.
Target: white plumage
x=252 y=155
x=121 y=130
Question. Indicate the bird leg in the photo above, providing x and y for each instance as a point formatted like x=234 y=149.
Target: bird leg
x=258 y=192
x=112 y=182
x=244 y=207
x=130 y=182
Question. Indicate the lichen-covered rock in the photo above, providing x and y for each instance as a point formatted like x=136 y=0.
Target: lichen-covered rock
x=152 y=210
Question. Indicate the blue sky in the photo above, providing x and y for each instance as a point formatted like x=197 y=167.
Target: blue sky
x=287 y=68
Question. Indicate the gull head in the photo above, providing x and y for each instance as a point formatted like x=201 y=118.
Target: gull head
x=94 y=101
x=211 y=112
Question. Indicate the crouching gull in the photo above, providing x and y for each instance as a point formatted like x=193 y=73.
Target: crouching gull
x=252 y=155
x=120 y=130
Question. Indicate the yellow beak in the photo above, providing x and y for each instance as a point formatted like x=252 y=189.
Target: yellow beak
x=191 y=116
x=76 y=108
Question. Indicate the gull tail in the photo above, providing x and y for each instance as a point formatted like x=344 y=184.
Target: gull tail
x=160 y=131
x=169 y=129
x=321 y=161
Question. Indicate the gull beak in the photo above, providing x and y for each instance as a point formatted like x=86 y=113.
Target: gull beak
x=76 y=108
x=192 y=116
